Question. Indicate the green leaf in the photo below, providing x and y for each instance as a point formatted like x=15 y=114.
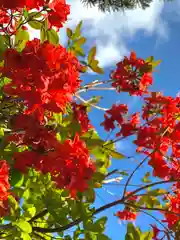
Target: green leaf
x=23 y=225
x=116 y=155
x=102 y=237
x=94 y=66
x=90 y=195
x=94 y=100
x=25 y=12
x=22 y=35
x=2 y=46
x=69 y=32
x=21 y=38
x=92 y=139
x=5 y=81
x=33 y=15
x=58 y=117
x=146 y=178
x=29 y=210
x=35 y=24
x=79 y=42
x=78 y=51
x=156 y=192
x=14 y=207
x=132 y=230
x=26 y=194
x=155 y=64
x=150 y=59
x=98 y=226
x=124 y=173
x=90 y=235
x=43 y=35
x=91 y=55
x=102 y=221
x=77 y=32
x=1 y=132
x=17 y=178
x=25 y=236
x=147 y=236
x=52 y=36
x=129 y=237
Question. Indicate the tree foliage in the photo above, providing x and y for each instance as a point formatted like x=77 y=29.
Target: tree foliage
x=52 y=160
x=116 y=5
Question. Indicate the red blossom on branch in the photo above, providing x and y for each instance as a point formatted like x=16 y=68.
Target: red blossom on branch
x=126 y=215
x=45 y=76
x=132 y=75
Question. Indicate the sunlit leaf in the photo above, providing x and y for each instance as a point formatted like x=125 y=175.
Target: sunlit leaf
x=23 y=225
x=91 y=55
x=53 y=36
x=17 y=178
x=35 y=24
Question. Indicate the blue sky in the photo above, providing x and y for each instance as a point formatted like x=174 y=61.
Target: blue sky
x=154 y=31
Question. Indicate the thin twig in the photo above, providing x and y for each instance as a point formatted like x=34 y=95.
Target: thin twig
x=86 y=102
x=96 y=88
x=151 y=209
x=160 y=223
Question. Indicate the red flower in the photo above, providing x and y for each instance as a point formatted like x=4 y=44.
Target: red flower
x=156 y=232
x=132 y=75
x=174 y=206
x=116 y=113
x=126 y=215
x=80 y=115
x=4 y=180
x=44 y=75
x=73 y=163
x=21 y=3
x=4 y=208
x=59 y=13
x=69 y=163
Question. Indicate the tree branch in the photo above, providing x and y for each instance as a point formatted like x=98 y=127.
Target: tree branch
x=101 y=209
x=39 y=215
x=92 y=105
x=159 y=222
x=152 y=209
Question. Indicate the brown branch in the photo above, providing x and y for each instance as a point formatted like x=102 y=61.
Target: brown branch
x=132 y=174
x=39 y=215
x=112 y=172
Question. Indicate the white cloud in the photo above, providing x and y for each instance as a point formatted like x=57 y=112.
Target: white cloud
x=33 y=33
x=110 y=30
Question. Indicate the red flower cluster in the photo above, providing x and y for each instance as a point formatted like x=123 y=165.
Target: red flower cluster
x=161 y=133
x=159 y=139
x=4 y=180
x=118 y=114
x=126 y=215
x=44 y=75
x=58 y=14
x=55 y=11
x=15 y=4
x=80 y=115
x=133 y=75
x=69 y=163
x=174 y=206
